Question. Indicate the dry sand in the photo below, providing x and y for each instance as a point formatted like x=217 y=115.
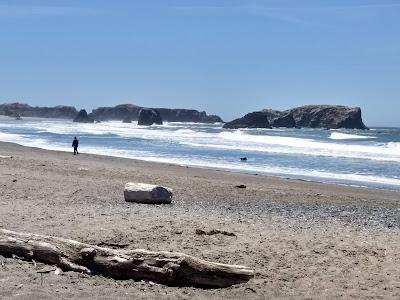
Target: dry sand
x=305 y=240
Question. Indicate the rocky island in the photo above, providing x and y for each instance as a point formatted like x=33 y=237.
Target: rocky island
x=130 y=111
x=24 y=110
x=82 y=117
x=122 y=112
x=310 y=116
x=149 y=117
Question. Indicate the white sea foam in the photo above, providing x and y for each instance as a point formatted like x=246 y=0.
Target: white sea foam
x=272 y=170
x=301 y=146
x=9 y=137
x=28 y=141
x=394 y=145
x=241 y=140
x=346 y=136
x=377 y=153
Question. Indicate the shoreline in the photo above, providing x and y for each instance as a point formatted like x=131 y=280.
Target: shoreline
x=282 y=177
x=392 y=197
x=331 y=166
x=302 y=238
x=205 y=168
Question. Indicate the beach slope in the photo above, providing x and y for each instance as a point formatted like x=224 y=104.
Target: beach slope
x=304 y=239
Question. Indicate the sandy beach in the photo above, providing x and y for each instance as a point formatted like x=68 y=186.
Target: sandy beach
x=305 y=240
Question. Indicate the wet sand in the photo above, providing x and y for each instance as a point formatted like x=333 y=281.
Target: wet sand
x=304 y=239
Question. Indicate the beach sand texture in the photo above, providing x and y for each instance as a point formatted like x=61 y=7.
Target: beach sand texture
x=305 y=240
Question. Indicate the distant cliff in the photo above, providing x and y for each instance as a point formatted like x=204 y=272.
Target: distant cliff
x=119 y=112
x=25 y=110
x=129 y=111
x=82 y=117
x=148 y=116
x=257 y=119
x=311 y=116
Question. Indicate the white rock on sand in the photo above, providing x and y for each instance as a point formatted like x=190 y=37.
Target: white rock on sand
x=147 y=193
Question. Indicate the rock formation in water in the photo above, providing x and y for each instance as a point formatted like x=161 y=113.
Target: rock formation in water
x=118 y=112
x=187 y=115
x=281 y=119
x=127 y=119
x=83 y=117
x=122 y=111
x=148 y=116
x=256 y=119
x=24 y=110
x=312 y=116
x=328 y=116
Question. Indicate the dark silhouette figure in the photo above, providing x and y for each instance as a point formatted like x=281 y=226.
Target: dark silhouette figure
x=75 y=144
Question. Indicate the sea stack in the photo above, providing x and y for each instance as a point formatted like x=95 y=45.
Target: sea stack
x=24 y=110
x=121 y=111
x=82 y=117
x=148 y=116
x=310 y=116
x=252 y=120
x=328 y=116
x=127 y=119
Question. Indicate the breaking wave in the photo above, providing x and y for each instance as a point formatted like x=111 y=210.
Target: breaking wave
x=346 y=136
x=353 y=158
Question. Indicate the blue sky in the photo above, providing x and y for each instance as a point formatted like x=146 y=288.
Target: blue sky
x=225 y=57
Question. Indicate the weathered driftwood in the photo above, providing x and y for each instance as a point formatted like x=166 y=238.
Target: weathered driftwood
x=170 y=268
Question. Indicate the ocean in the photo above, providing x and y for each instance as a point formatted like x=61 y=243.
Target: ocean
x=369 y=158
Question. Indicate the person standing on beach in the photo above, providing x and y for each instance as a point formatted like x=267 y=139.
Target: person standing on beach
x=75 y=144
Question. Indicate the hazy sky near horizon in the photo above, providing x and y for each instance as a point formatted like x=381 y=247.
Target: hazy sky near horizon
x=225 y=57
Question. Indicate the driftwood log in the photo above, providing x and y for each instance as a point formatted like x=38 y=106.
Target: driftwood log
x=170 y=268
x=147 y=193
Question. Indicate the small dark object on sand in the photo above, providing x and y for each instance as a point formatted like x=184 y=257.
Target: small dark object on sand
x=113 y=245
x=14 y=180
x=46 y=270
x=213 y=232
x=243 y=158
x=240 y=186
